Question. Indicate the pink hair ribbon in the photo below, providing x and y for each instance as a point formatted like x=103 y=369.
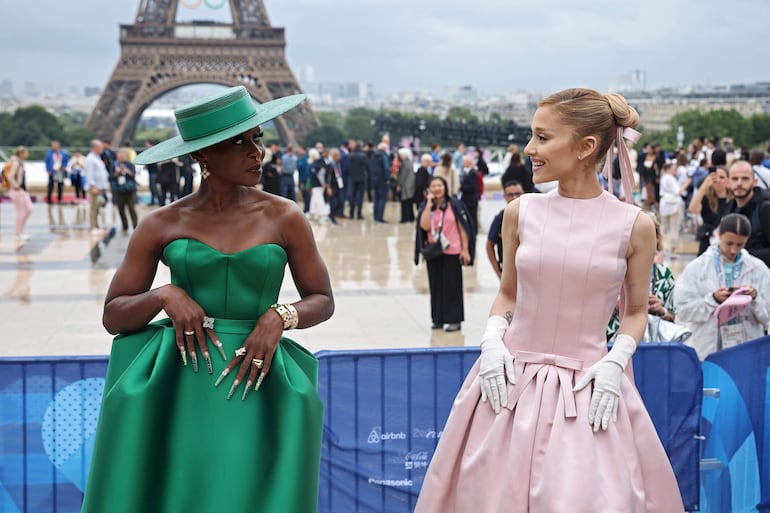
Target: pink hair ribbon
x=626 y=171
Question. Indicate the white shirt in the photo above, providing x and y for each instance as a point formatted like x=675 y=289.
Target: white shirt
x=670 y=199
x=96 y=172
x=762 y=175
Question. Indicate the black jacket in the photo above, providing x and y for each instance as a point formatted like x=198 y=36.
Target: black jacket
x=758 y=212
x=461 y=214
x=421 y=180
x=470 y=189
x=359 y=167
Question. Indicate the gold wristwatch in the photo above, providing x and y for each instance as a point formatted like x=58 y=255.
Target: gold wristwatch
x=288 y=314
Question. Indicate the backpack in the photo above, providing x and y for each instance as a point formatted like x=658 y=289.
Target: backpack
x=6 y=171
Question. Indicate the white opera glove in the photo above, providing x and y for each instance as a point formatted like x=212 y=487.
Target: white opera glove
x=495 y=364
x=607 y=375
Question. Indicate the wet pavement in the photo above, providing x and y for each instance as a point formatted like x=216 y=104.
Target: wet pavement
x=52 y=286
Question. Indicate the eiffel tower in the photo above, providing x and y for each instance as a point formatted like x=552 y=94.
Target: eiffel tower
x=159 y=55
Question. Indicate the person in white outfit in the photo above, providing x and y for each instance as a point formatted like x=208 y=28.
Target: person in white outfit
x=724 y=270
x=319 y=209
x=671 y=208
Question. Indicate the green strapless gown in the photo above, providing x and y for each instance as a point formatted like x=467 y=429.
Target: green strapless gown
x=169 y=442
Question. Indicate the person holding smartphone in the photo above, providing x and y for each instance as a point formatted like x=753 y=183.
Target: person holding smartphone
x=446 y=219
x=724 y=271
x=710 y=201
x=125 y=190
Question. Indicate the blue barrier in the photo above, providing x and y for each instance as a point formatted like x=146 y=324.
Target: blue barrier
x=385 y=411
x=48 y=414
x=384 y=414
x=737 y=429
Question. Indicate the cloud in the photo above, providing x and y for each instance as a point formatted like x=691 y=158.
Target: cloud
x=494 y=45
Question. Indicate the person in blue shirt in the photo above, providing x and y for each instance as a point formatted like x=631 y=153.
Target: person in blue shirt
x=511 y=191
x=289 y=162
x=56 y=161
x=303 y=177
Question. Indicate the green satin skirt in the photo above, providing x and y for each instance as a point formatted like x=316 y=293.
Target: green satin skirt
x=169 y=442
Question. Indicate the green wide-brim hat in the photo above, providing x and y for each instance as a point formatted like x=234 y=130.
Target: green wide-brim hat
x=215 y=118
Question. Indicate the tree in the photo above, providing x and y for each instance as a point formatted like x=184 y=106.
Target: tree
x=32 y=126
x=760 y=124
x=715 y=123
x=358 y=125
x=75 y=133
x=329 y=118
x=77 y=137
x=157 y=134
x=330 y=136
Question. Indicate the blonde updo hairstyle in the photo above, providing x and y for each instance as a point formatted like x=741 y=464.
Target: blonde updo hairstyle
x=589 y=112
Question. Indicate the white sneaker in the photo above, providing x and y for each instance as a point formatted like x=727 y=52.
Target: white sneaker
x=22 y=237
x=96 y=231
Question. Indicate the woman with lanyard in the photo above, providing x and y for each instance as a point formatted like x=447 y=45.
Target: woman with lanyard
x=723 y=296
x=445 y=219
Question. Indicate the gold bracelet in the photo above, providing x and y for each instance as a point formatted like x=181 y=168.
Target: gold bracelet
x=288 y=314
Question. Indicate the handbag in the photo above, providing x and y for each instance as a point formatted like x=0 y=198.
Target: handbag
x=432 y=251
x=126 y=187
x=435 y=249
x=668 y=198
x=661 y=330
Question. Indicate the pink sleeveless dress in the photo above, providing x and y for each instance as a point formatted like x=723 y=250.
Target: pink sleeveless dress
x=540 y=455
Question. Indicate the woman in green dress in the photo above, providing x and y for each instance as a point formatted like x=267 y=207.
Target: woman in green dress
x=211 y=409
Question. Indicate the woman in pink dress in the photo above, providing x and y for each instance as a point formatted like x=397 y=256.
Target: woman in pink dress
x=549 y=421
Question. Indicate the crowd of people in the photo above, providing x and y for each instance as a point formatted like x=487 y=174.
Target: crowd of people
x=100 y=177
x=688 y=191
x=545 y=389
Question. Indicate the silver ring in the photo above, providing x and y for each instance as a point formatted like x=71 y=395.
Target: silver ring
x=258 y=363
x=188 y=333
x=241 y=351
x=208 y=322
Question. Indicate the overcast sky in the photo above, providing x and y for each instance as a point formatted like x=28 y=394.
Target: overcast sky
x=496 y=46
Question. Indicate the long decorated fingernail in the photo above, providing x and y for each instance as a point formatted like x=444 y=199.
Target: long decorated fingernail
x=221 y=349
x=246 y=390
x=259 y=381
x=184 y=355
x=221 y=377
x=194 y=358
x=232 y=389
x=207 y=357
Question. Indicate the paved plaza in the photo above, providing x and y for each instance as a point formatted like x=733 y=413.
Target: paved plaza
x=52 y=287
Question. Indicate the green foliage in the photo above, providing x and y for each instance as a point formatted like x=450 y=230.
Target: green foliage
x=666 y=138
x=270 y=135
x=330 y=136
x=715 y=123
x=157 y=133
x=359 y=125
x=329 y=118
x=760 y=123
x=30 y=126
x=77 y=137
